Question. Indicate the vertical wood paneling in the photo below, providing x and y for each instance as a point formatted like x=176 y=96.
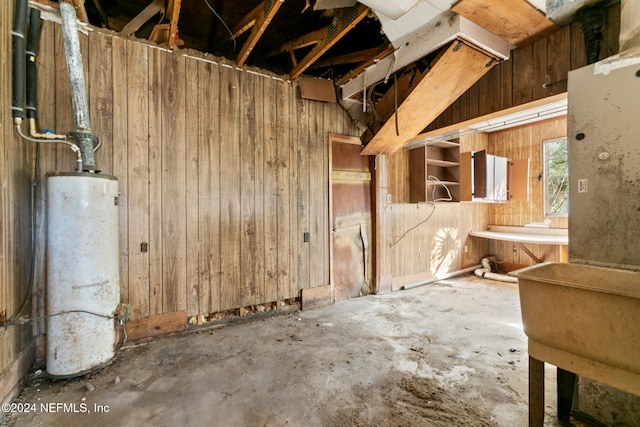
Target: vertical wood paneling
x=248 y=246
x=100 y=96
x=558 y=65
x=318 y=187
x=118 y=145
x=525 y=142
x=611 y=43
x=303 y=192
x=116 y=155
x=5 y=136
x=193 y=99
x=136 y=226
x=230 y=117
x=523 y=75
x=539 y=69
x=273 y=168
x=209 y=186
x=288 y=213
x=577 y=57
x=156 y=123
x=474 y=101
x=506 y=84
x=488 y=92
x=46 y=154
x=65 y=160
x=221 y=172
x=173 y=183
x=15 y=209
x=260 y=146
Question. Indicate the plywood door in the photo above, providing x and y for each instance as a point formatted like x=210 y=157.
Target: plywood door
x=351 y=219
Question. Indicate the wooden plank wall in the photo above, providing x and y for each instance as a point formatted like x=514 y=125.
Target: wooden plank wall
x=533 y=72
x=221 y=171
x=416 y=241
x=16 y=353
x=525 y=142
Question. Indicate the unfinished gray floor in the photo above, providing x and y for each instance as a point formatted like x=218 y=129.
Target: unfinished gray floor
x=444 y=354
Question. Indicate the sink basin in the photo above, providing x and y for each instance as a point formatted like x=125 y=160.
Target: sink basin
x=584 y=319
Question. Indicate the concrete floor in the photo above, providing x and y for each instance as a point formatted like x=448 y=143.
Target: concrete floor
x=445 y=354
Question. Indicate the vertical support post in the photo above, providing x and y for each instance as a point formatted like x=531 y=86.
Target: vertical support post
x=566 y=384
x=536 y=392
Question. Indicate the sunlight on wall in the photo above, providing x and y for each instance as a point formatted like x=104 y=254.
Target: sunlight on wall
x=445 y=249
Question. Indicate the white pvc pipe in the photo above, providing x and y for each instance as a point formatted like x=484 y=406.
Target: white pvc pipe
x=443 y=277
x=485 y=273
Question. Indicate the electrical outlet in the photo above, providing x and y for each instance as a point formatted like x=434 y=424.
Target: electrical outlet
x=389 y=199
x=582 y=185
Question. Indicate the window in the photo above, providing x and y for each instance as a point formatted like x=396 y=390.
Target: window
x=556 y=177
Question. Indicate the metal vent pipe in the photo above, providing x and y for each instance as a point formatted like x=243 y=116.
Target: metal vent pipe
x=84 y=138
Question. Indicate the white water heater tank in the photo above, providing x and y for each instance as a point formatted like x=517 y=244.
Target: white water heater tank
x=83 y=286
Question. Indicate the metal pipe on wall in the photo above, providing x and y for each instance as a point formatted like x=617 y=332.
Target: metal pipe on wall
x=84 y=138
x=18 y=43
x=33 y=43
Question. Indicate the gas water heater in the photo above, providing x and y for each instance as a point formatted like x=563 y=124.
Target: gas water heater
x=83 y=289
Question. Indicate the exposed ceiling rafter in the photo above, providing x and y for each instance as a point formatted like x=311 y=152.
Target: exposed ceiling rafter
x=517 y=22
x=379 y=55
x=343 y=22
x=262 y=21
x=155 y=7
x=459 y=67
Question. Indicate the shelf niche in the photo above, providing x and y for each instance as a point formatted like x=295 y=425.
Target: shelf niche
x=431 y=168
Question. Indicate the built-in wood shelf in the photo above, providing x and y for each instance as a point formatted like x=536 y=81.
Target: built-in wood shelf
x=433 y=167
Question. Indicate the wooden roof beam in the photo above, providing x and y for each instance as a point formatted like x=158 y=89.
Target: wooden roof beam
x=174 y=11
x=380 y=54
x=517 y=22
x=459 y=67
x=308 y=39
x=270 y=7
x=349 y=58
x=248 y=21
x=81 y=12
x=155 y=7
x=342 y=24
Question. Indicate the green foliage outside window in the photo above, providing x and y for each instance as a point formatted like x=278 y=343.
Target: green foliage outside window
x=556 y=174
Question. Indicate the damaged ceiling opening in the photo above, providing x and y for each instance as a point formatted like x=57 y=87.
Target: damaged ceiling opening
x=376 y=53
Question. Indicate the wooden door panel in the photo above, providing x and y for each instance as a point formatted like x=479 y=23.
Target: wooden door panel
x=352 y=260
